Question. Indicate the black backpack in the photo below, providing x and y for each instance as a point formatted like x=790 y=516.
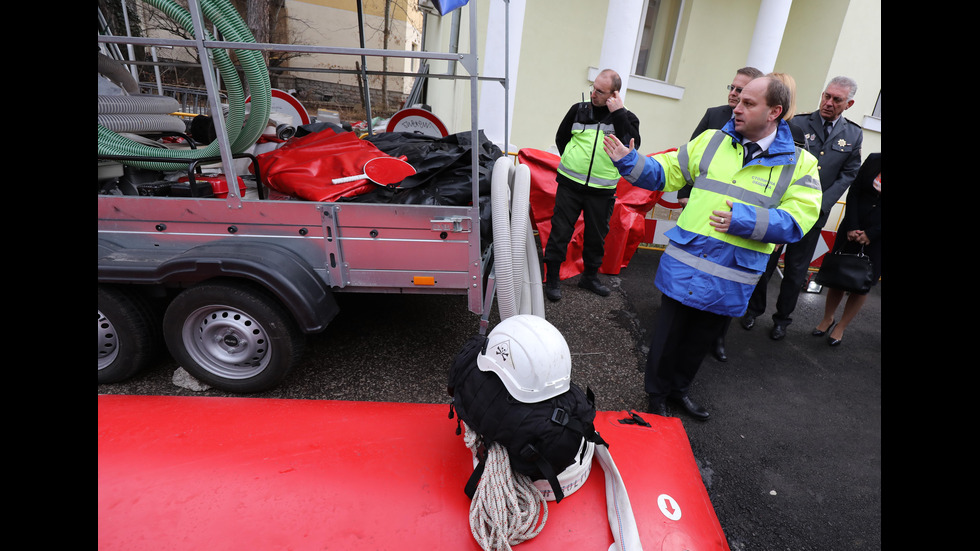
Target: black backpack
x=542 y=439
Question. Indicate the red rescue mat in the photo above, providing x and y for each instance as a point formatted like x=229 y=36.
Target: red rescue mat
x=177 y=472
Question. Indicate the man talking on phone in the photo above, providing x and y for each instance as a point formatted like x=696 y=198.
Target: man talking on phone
x=587 y=180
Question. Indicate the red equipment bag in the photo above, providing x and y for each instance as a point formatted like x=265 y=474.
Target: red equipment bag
x=306 y=166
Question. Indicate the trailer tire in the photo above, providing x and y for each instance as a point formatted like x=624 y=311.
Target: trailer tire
x=128 y=334
x=233 y=336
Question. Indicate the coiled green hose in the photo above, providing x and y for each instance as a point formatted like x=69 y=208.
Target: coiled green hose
x=242 y=133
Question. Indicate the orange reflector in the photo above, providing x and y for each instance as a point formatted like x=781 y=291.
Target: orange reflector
x=424 y=280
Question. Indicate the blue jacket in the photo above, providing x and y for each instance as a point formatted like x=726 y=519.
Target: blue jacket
x=776 y=199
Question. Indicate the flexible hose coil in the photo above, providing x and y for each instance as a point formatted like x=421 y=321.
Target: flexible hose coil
x=242 y=133
x=507 y=302
x=516 y=263
x=118 y=74
x=135 y=123
x=139 y=104
x=139 y=113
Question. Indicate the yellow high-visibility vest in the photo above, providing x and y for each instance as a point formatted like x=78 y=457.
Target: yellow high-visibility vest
x=712 y=164
x=584 y=160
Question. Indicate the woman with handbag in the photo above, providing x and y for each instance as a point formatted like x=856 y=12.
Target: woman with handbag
x=859 y=232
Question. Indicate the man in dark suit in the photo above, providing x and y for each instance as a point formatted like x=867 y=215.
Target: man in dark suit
x=836 y=143
x=717 y=117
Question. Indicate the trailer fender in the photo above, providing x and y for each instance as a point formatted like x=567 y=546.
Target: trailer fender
x=279 y=270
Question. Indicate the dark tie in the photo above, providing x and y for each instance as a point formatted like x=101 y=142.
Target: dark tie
x=750 y=149
x=827 y=127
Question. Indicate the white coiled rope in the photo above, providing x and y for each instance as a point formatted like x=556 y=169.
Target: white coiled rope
x=506 y=506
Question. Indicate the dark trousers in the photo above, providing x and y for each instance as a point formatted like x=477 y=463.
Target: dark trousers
x=682 y=338
x=796 y=265
x=596 y=210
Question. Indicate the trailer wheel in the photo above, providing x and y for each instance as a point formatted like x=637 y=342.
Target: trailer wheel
x=128 y=334
x=232 y=336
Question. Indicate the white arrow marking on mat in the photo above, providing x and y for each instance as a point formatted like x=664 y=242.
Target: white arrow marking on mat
x=669 y=507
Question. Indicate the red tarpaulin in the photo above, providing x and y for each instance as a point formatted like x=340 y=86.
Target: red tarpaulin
x=627 y=228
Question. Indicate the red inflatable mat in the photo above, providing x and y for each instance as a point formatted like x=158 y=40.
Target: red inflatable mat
x=250 y=473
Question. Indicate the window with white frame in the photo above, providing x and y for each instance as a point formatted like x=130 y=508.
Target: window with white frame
x=655 y=44
x=873 y=121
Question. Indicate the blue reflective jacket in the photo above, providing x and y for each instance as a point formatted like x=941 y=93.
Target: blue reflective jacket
x=776 y=199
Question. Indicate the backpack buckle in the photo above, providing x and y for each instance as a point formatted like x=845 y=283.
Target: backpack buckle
x=560 y=416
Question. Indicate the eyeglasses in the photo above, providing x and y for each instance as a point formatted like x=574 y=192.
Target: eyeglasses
x=737 y=90
x=598 y=91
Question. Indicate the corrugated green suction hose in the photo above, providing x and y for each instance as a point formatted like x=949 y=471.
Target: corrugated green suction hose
x=241 y=136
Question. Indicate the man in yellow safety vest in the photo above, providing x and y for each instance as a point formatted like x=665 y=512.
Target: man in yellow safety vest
x=752 y=187
x=587 y=180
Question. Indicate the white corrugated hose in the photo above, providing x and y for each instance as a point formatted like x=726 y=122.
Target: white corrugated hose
x=516 y=264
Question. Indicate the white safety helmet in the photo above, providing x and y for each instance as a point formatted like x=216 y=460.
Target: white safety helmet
x=530 y=356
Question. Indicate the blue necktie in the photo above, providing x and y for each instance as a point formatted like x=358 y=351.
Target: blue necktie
x=750 y=149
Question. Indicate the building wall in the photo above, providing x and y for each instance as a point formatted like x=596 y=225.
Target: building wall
x=562 y=41
x=335 y=23
x=858 y=55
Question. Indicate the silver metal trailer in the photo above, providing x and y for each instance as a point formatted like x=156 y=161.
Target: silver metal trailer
x=232 y=286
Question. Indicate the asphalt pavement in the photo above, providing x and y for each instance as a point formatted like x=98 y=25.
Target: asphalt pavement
x=791 y=456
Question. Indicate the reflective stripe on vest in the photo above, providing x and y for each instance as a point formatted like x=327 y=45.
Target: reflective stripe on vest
x=634 y=175
x=603 y=176
x=760 y=201
x=697 y=212
x=733 y=191
x=706 y=265
x=582 y=127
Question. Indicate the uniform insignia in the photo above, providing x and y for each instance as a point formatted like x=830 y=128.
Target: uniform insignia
x=841 y=142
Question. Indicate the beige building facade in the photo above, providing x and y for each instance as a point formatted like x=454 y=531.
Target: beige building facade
x=335 y=23
x=676 y=58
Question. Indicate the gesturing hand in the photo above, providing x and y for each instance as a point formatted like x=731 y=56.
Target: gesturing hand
x=615 y=148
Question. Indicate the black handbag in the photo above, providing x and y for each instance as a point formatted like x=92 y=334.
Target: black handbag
x=848 y=272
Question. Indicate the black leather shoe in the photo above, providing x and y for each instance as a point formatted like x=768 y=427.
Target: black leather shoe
x=593 y=284
x=552 y=292
x=719 y=351
x=778 y=332
x=657 y=407
x=747 y=321
x=693 y=409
